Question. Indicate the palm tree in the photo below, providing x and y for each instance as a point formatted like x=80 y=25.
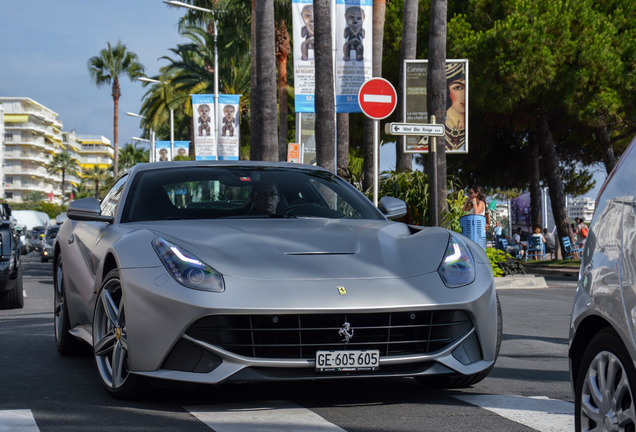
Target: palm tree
x=131 y=155
x=263 y=114
x=106 y=68
x=325 y=98
x=404 y=161
x=96 y=175
x=63 y=163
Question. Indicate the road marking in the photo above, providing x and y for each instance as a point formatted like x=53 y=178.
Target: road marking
x=17 y=421
x=377 y=98
x=265 y=416
x=539 y=412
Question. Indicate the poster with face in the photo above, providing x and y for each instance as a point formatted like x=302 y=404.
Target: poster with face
x=162 y=151
x=354 y=51
x=416 y=111
x=181 y=148
x=204 y=140
x=303 y=31
x=228 y=123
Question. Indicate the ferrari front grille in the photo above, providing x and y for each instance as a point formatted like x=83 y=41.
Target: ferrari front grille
x=299 y=336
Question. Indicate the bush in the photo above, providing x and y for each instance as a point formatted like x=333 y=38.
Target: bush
x=47 y=207
x=504 y=264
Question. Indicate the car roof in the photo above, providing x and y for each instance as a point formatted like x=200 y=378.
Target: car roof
x=235 y=163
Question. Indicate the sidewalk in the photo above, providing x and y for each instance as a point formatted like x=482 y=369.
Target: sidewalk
x=535 y=276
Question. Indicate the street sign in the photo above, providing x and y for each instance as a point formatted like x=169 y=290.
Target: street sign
x=414 y=129
x=377 y=98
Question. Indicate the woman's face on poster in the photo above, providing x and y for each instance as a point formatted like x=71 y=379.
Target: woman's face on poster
x=458 y=95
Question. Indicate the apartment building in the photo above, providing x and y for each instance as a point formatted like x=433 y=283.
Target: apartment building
x=32 y=135
x=582 y=207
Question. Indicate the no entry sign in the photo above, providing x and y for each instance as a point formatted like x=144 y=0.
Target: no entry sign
x=377 y=98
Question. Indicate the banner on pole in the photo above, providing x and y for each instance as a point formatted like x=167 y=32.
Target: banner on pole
x=162 y=151
x=181 y=148
x=354 y=51
x=228 y=119
x=202 y=115
x=303 y=32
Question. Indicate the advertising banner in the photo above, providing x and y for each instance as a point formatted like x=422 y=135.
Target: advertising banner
x=303 y=35
x=181 y=148
x=162 y=151
x=204 y=139
x=354 y=51
x=228 y=119
x=416 y=111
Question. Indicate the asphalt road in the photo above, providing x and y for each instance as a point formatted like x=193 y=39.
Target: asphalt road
x=528 y=390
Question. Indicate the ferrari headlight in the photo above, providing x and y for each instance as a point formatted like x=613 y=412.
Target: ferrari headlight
x=458 y=267
x=187 y=269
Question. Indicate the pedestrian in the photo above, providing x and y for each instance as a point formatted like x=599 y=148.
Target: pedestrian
x=550 y=244
x=516 y=246
x=496 y=232
x=476 y=201
x=581 y=232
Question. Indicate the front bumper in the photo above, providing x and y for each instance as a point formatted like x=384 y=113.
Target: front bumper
x=163 y=318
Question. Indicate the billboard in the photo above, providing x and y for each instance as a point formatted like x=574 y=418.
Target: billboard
x=416 y=111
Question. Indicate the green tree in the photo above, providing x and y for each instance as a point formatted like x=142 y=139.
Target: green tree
x=96 y=176
x=63 y=163
x=130 y=155
x=105 y=69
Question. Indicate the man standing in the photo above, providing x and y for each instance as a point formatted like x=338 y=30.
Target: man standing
x=581 y=232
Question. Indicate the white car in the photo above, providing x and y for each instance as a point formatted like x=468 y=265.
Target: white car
x=213 y=272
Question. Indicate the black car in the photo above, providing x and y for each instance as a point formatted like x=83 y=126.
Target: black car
x=48 y=242
x=10 y=271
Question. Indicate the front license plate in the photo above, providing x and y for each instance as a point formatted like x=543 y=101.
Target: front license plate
x=347 y=361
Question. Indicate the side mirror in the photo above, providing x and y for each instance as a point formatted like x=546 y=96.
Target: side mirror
x=392 y=208
x=86 y=209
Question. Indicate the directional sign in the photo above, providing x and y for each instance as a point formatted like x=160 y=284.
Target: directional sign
x=377 y=98
x=414 y=129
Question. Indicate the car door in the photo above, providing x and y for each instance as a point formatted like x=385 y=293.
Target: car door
x=87 y=244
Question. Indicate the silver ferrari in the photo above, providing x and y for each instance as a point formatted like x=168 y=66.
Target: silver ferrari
x=212 y=272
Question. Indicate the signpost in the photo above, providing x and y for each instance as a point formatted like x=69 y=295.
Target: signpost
x=377 y=99
x=414 y=129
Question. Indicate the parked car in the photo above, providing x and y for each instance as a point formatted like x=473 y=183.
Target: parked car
x=214 y=272
x=11 y=292
x=48 y=242
x=602 y=346
x=34 y=239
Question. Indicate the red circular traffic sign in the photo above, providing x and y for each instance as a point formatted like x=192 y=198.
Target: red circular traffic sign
x=377 y=98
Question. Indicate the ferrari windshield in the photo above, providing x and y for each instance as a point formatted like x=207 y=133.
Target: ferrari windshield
x=212 y=192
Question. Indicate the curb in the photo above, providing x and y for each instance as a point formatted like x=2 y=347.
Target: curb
x=527 y=281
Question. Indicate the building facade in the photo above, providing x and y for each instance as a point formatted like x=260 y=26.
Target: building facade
x=32 y=136
x=582 y=207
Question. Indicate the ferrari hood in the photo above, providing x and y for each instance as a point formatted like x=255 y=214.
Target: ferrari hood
x=309 y=248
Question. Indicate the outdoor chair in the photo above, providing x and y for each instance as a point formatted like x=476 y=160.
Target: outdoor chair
x=571 y=251
x=536 y=248
x=513 y=250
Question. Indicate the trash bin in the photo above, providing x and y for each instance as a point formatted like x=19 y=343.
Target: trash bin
x=474 y=227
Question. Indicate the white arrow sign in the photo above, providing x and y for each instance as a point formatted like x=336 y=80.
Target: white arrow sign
x=414 y=129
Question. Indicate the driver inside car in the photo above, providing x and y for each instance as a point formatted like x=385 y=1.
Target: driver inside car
x=265 y=198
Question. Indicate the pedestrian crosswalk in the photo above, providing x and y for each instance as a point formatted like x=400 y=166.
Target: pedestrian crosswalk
x=539 y=413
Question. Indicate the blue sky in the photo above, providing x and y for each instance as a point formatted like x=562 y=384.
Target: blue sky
x=45 y=46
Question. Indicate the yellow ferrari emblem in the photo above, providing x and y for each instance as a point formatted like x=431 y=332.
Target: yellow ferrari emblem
x=342 y=291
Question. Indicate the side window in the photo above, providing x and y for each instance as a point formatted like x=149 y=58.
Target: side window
x=110 y=201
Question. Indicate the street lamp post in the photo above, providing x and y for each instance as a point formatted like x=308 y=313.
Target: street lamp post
x=216 y=65
x=151 y=140
x=154 y=81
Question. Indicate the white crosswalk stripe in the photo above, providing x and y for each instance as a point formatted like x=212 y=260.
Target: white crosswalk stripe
x=266 y=416
x=17 y=421
x=540 y=413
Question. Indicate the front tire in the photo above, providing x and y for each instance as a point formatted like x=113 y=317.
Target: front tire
x=110 y=342
x=604 y=397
